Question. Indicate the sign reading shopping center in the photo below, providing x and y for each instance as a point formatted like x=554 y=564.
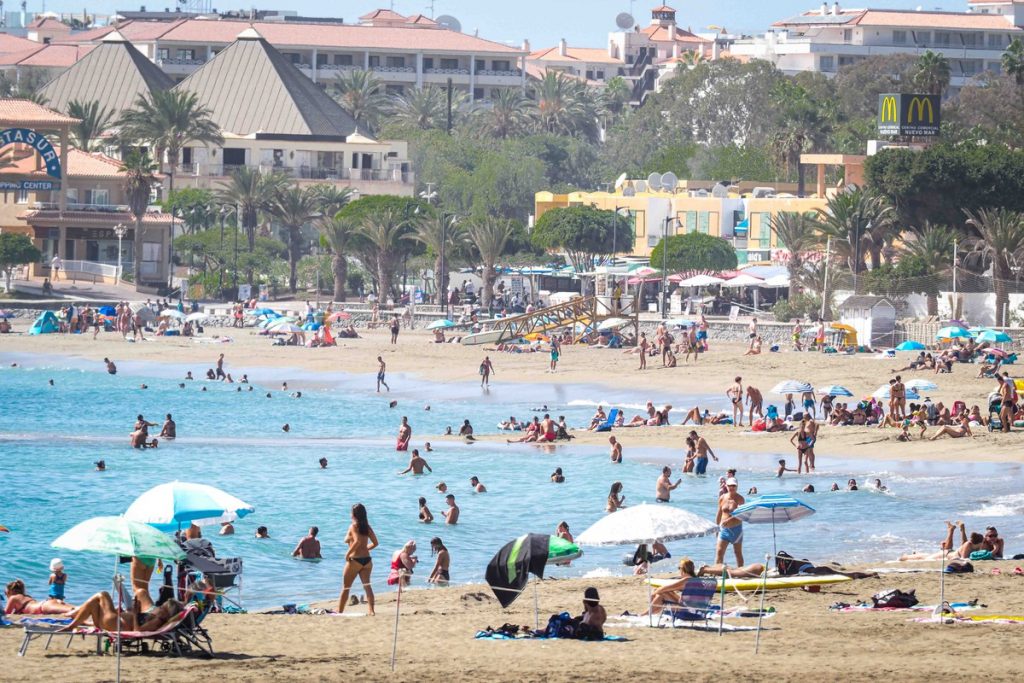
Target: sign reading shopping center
x=904 y=114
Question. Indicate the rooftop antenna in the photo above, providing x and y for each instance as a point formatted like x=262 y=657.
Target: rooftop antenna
x=449 y=22
x=431 y=8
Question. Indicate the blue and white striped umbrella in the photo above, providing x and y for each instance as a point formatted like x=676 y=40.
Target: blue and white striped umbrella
x=922 y=385
x=883 y=392
x=773 y=507
x=835 y=390
x=174 y=505
x=791 y=386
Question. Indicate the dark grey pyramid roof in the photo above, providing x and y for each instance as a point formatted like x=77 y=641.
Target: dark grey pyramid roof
x=114 y=73
x=251 y=88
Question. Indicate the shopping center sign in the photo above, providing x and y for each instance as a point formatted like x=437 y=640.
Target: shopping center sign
x=907 y=114
x=38 y=142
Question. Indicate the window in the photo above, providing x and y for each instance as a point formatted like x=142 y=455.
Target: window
x=846 y=61
x=428 y=62
x=394 y=89
x=847 y=35
x=703 y=221
x=343 y=60
x=764 y=240
x=186 y=155
x=495 y=92
x=997 y=40
x=995 y=67
x=187 y=54
x=827 y=63
x=972 y=39
x=501 y=65
x=971 y=67
x=72 y=195
x=449 y=63
x=374 y=61
x=101 y=197
x=943 y=38
x=162 y=54
x=233 y=156
x=600 y=75
x=397 y=62
x=899 y=37
x=590 y=74
x=691 y=221
x=479 y=65
x=321 y=60
x=922 y=38
x=21 y=196
x=150 y=258
x=478 y=93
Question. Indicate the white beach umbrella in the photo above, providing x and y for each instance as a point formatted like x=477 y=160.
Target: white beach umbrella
x=612 y=323
x=743 y=280
x=196 y=317
x=701 y=281
x=781 y=280
x=287 y=328
x=172 y=313
x=645 y=523
x=791 y=386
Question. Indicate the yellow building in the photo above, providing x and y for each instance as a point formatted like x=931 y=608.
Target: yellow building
x=742 y=217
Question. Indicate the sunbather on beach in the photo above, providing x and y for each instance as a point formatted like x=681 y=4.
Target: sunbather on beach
x=358 y=562
x=102 y=613
x=20 y=603
x=594 y=615
x=671 y=592
x=748 y=571
x=963 y=551
x=955 y=432
x=532 y=433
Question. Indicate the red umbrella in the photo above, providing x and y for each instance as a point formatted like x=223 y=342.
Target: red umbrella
x=341 y=315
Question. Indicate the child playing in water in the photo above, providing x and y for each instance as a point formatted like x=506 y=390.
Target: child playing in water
x=57 y=579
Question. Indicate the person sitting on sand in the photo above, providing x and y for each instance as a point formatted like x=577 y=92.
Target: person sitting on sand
x=747 y=571
x=598 y=419
x=755 y=347
x=955 y=432
x=510 y=425
x=20 y=603
x=403 y=562
x=993 y=543
x=532 y=433
x=466 y=431
x=101 y=612
x=591 y=622
x=967 y=545
x=670 y=592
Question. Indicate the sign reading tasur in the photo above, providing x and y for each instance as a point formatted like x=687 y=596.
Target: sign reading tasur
x=905 y=114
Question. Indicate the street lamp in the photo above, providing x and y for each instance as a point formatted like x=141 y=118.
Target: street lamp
x=120 y=230
x=664 y=265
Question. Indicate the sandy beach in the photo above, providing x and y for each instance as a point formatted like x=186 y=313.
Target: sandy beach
x=608 y=370
x=803 y=641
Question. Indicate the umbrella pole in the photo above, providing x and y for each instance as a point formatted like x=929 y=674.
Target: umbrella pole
x=721 y=605
x=536 y=607
x=118 y=580
x=398 y=612
x=942 y=587
x=760 y=612
x=650 y=599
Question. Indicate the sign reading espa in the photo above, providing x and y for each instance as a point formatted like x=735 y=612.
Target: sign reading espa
x=39 y=143
x=907 y=114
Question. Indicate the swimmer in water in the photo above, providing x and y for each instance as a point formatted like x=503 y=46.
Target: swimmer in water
x=51 y=382
x=170 y=429
x=783 y=468
x=557 y=477
x=392 y=404
x=442 y=487
x=427 y=447
x=143 y=386
x=188 y=375
x=297 y=394
x=477 y=486
x=203 y=389
x=426 y=516
x=284 y=386
x=416 y=464
x=616 y=450
x=181 y=385
x=101 y=466
x=286 y=428
x=268 y=395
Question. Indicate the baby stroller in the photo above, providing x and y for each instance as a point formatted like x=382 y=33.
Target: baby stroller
x=224 y=573
x=994 y=404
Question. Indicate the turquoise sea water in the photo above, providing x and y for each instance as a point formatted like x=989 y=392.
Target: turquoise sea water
x=50 y=437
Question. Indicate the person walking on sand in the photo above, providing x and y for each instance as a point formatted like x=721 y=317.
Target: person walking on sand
x=702 y=333
x=556 y=350
x=644 y=345
x=756 y=403
x=55 y=265
x=735 y=395
x=381 y=368
x=752 y=332
x=486 y=370
x=358 y=562
x=395 y=326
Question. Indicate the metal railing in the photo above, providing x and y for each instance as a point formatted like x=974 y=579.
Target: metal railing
x=499 y=72
x=447 y=72
x=90 y=208
x=71 y=269
x=180 y=61
x=394 y=175
x=394 y=69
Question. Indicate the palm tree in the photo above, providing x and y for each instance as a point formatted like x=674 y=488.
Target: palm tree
x=332 y=198
x=489 y=237
x=294 y=207
x=564 y=105
x=252 y=191
x=509 y=113
x=931 y=73
x=441 y=234
x=380 y=236
x=362 y=96
x=1013 y=61
x=139 y=176
x=802 y=127
x=422 y=108
x=616 y=95
x=858 y=221
x=932 y=245
x=1001 y=239
x=797 y=232
x=338 y=235
x=94 y=121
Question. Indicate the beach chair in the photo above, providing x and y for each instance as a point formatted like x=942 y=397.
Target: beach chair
x=694 y=604
x=166 y=638
x=606 y=426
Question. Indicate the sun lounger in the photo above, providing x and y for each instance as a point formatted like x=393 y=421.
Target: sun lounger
x=609 y=421
x=694 y=604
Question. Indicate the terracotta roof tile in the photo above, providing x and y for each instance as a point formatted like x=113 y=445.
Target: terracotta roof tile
x=664 y=8
x=284 y=35
x=80 y=165
x=51 y=55
x=9 y=43
x=48 y=23
x=133 y=29
x=421 y=20
x=660 y=34
x=580 y=54
x=384 y=14
x=28 y=112
x=954 y=21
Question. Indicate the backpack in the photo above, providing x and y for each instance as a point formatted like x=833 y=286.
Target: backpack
x=561 y=626
x=895 y=598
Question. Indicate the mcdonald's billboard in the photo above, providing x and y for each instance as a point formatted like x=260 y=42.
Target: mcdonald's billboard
x=906 y=114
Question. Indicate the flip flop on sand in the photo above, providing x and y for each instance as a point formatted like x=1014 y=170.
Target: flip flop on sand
x=1018 y=571
x=996 y=571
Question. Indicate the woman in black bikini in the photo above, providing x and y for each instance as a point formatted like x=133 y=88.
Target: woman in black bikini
x=439 y=576
x=361 y=540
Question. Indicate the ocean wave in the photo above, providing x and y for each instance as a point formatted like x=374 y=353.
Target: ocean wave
x=598 y=573
x=1004 y=506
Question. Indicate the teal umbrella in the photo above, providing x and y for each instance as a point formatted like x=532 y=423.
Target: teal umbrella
x=993 y=336
x=121 y=537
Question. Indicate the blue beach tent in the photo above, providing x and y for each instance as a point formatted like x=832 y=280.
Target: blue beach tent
x=46 y=323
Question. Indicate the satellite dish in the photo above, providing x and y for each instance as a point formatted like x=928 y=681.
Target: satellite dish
x=654 y=181
x=625 y=21
x=640 y=185
x=628 y=192
x=669 y=182
x=720 y=191
x=621 y=180
x=449 y=22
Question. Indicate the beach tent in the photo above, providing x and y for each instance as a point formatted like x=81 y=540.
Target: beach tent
x=46 y=323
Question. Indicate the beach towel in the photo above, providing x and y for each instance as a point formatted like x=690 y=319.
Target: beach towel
x=864 y=607
x=973 y=620
x=499 y=635
x=711 y=624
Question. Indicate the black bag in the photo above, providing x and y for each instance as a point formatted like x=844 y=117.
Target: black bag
x=787 y=565
x=895 y=598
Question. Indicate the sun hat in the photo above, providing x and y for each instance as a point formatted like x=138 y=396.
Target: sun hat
x=56 y=564
x=731 y=482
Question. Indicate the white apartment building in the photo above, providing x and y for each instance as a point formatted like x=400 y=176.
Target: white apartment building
x=402 y=52
x=831 y=37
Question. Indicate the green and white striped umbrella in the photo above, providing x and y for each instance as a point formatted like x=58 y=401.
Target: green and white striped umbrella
x=120 y=536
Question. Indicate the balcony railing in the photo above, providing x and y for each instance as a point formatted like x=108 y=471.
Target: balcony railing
x=74 y=206
x=499 y=72
x=180 y=61
x=394 y=69
x=302 y=172
x=447 y=72
x=340 y=67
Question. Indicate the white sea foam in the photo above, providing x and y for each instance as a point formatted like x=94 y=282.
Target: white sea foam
x=598 y=573
x=1004 y=506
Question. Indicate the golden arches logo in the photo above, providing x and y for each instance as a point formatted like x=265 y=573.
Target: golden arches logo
x=921 y=104
x=889 y=110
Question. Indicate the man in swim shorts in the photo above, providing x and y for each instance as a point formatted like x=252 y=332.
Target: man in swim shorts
x=703 y=450
x=730 y=529
x=616 y=450
x=308 y=548
x=548 y=429
x=663 y=489
x=416 y=464
x=380 y=374
x=170 y=429
x=756 y=403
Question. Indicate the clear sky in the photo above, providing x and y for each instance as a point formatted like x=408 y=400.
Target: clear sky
x=582 y=23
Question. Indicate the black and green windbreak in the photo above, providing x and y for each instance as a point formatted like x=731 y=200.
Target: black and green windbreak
x=510 y=569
